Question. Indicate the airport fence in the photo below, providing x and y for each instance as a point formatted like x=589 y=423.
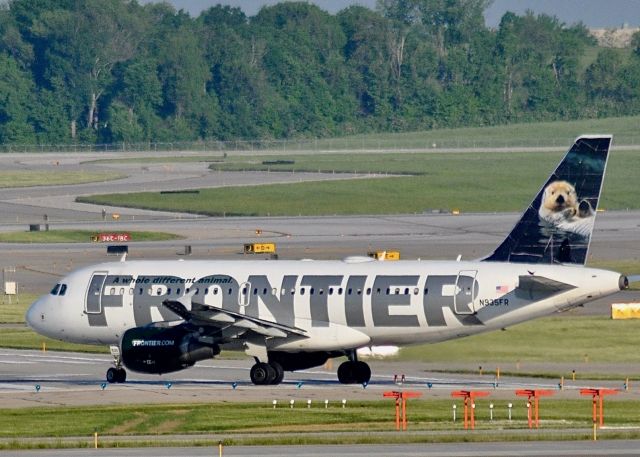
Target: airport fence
x=373 y=144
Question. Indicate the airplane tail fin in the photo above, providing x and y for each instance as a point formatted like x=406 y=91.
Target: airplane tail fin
x=557 y=225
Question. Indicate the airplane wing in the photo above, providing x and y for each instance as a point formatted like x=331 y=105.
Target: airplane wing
x=219 y=318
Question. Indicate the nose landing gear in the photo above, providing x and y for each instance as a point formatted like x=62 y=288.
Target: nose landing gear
x=116 y=374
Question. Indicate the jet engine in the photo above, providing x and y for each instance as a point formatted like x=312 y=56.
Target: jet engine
x=161 y=350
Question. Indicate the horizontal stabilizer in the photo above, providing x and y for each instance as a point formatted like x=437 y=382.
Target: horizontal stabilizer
x=538 y=287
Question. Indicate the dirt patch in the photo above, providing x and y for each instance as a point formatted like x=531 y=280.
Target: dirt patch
x=128 y=426
x=168 y=426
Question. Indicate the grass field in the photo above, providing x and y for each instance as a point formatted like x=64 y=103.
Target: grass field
x=360 y=418
x=470 y=182
x=13 y=307
x=76 y=236
x=27 y=178
x=561 y=338
x=559 y=133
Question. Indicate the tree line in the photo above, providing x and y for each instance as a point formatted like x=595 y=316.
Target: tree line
x=104 y=71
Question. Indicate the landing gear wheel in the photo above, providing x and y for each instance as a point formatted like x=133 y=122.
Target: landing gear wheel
x=279 y=373
x=262 y=374
x=354 y=373
x=112 y=375
x=116 y=375
x=363 y=373
x=345 y=373
x=122 y=375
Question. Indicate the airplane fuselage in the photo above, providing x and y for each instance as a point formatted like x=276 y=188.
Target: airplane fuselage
x=339 y=304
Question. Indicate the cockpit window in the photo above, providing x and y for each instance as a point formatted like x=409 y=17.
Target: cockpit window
x=63 y=289
x=55 y=289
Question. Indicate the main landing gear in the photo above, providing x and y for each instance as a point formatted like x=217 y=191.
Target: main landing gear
x=353 y=371
x=263 y=374
x=116 y=374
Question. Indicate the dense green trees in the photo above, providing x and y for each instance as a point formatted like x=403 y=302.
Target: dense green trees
x=118 y=71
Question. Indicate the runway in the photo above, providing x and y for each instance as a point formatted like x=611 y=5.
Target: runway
x=36 y=378
x=524 y=449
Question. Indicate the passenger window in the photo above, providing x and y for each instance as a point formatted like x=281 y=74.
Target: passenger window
x=169 y=291
x=359 y=291
x=63 y=289
x=197 y=291
x=330 y=290
x=178 y=291
x=274 y=291
x=159 y=292
x=206 y=291
x=112 y=291
x=349 y=291
x=302 y=291
x=255 y=291
x=369 y=291
x=121 y=290
x=55 y=289
x=340 y=291
x=406 y=291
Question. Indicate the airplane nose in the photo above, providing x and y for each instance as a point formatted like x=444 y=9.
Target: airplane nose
x=35 y=315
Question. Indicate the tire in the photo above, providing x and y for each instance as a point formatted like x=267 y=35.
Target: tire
x=346 y=373
x=279 y=371
x=262 y=374
x=122 y=375
x=112 y=375
x=362 y=373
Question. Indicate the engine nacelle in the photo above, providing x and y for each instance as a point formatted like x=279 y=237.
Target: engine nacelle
x=160 y=350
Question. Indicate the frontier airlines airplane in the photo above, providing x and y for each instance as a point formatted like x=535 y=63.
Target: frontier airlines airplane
x=164 y=316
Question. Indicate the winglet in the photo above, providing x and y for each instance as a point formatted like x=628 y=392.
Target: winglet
x=557 y=225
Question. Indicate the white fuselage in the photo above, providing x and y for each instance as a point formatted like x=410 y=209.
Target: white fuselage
x=339 y=304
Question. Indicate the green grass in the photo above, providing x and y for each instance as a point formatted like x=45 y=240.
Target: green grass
x=247 y=418
x=13 y=307
x=25 y=338
x=558 y=133
x=27 y=178
x=76 y=236
x=470 y=182
x=558 y=339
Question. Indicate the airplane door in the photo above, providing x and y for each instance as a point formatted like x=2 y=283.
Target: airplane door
x=93 y=304
x=464 y=299
x=244 y=294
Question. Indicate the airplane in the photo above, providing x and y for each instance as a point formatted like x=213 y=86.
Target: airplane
x=163 y=316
